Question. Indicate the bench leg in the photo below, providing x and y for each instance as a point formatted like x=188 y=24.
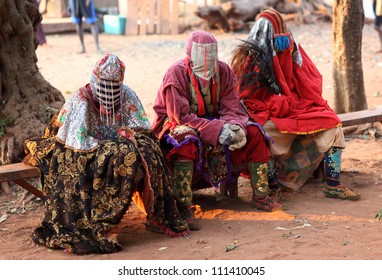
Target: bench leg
x=29 y=187
x=230 y=188
x=5 y=186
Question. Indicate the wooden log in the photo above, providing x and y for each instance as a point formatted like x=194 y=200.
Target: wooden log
x=214 y=17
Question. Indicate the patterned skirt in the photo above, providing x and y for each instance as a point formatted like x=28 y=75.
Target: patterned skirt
x=88 y=192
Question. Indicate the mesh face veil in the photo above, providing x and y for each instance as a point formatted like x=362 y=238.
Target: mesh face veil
x=108 y=93
x=106 y=83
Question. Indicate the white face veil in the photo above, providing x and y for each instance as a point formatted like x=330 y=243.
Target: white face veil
x=205 y=60
x=202 y=48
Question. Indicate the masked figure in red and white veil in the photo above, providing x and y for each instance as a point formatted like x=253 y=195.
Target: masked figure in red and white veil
x=201 y=124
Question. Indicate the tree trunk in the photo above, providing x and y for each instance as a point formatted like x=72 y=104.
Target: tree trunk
x=27 y=100
x=349 y=89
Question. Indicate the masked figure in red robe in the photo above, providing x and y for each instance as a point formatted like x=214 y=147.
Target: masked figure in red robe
x=282 y=90
x=207 y=135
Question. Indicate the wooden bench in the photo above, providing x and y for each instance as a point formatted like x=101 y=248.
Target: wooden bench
x=361 y=117
x=19 y=173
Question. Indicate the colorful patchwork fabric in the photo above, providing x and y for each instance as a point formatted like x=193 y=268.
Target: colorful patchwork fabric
x=294 y=171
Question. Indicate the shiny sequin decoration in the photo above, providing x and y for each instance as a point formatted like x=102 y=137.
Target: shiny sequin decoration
x=272 y=172
x=332 y=164
x=82 y=125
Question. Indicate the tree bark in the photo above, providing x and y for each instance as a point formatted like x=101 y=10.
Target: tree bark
x=27 y=100
x=349 y=89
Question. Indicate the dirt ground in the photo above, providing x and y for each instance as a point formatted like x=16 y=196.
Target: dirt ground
x=311 y=227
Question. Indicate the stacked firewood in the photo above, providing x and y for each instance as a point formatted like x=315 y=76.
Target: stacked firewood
x=239 y=15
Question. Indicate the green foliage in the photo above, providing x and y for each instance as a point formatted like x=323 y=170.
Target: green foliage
x=5 y=119
x=48 y=114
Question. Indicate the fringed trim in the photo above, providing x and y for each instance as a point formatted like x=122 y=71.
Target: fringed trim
x=74 y=149
x=310 y=132
x=283 y=42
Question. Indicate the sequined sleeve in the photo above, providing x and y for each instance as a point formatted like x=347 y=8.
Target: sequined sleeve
x=134 y=115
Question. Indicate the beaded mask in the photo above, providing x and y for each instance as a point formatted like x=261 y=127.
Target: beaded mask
x=106 y=82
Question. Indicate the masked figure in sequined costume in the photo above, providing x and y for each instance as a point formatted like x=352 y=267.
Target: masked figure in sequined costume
x=206 y=134
x=97 y=156
x=282 y=90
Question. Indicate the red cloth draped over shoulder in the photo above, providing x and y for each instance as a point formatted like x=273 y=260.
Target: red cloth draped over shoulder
x=299 y=108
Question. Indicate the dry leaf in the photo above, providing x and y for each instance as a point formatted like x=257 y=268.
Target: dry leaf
x=3 y=218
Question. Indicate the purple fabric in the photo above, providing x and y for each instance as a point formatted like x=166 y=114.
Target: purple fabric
x=170 y=140
x=39 y=30
x=40 y=34
x=268 y=138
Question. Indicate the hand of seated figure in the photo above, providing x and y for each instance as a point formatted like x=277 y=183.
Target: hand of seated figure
x=233 y=136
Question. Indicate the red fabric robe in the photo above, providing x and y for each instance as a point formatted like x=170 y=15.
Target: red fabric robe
x=300 y=108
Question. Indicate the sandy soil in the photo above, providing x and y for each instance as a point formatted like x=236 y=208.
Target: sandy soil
x=311 y=227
